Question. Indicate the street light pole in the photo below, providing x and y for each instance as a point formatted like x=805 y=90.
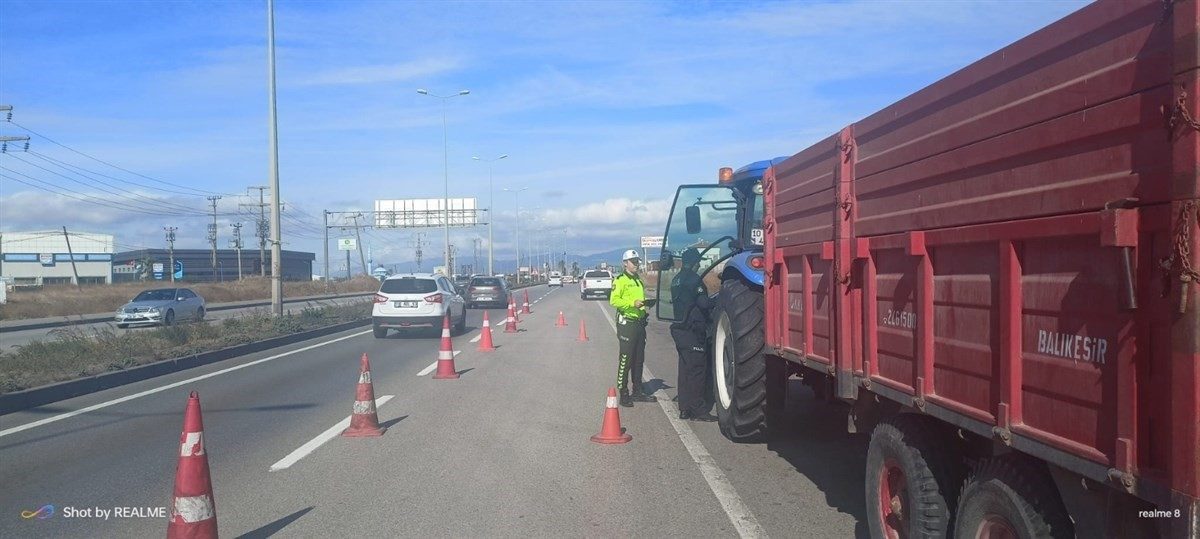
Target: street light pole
x=517 y=192
x=276 y=235
x=491 y=210
x=445 y=170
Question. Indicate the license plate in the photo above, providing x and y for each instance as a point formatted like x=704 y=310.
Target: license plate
x=405 y=304
x=485 y=298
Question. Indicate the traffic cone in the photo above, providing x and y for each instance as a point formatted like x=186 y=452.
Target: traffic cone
x=526 y=309
x=193 y=513
x=610 y=430
x=510 y=325
x=485 y=341
x=561 y=322
x=445 y=369
x=364 y=422
x=582 y=332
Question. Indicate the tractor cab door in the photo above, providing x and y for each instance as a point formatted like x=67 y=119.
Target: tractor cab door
x=700 y=229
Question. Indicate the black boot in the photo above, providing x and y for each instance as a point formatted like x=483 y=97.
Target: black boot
x=640 y=396
x=692 y=416
x=626 y=401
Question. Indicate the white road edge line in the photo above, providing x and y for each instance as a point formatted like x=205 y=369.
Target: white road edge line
x=737 y=511
x=313 y=444
x=113 y=402
x=477 y=337
x=433 y=366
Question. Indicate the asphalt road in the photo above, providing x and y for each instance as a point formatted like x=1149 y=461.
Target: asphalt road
x=15 y=338
x=503 y=451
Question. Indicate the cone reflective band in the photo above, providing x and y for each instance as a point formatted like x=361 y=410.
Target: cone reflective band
x=193 y=512
x=485 y=336
x=445 y=364
x=364 y=422
x=610 y=430
x=510 y=325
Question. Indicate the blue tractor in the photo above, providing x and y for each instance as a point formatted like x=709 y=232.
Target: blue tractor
x=724 y=223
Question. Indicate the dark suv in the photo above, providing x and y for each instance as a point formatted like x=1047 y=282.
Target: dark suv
x=487 y=290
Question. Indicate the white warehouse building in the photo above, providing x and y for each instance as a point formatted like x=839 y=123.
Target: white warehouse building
x=45 y=258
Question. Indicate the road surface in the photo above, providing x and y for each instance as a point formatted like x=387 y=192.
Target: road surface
x=503 y=451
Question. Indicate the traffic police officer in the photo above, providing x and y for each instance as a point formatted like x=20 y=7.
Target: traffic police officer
x=691 y=307
x=628 y=297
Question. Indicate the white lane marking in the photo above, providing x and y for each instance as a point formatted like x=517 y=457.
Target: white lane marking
x=113 y=402
x=433 y=365
x=737 y=511
x=313 y=444
x=477 y=337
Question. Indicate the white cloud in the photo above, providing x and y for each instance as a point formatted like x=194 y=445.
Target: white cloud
x=375 y=74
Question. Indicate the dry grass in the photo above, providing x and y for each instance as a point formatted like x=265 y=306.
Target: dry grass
x=67 y=300
x=75 y=353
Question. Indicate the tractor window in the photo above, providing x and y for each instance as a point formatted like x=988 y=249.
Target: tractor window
x=705 y=237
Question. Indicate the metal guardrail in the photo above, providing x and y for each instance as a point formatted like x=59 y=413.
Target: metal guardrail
x=60 y=321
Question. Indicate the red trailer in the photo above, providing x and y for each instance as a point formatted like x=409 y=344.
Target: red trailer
x=998 y=273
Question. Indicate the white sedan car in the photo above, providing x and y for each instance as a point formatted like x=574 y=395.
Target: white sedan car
x=419 y=300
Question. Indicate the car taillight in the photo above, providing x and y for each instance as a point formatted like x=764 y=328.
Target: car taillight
x=435 y=298
x=472 y=289
x=380 y=298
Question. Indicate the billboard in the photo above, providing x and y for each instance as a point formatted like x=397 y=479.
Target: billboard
x=426 y=212
x=652 y=241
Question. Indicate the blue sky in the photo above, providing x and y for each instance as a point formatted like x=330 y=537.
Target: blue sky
x=602 y=107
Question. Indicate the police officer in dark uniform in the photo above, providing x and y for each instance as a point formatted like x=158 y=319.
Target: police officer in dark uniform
x=691 y=307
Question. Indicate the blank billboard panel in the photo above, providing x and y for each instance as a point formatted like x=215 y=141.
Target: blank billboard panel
x=425 y=212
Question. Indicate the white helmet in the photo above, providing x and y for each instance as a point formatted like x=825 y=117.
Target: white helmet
x=630 y=255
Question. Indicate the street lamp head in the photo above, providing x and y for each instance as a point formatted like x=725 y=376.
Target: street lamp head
x=422 y=91
x=464 y=92
x=501 y=157
x=475 y=157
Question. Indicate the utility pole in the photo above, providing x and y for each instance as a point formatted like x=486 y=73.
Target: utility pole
x=276 y=238
x=71 y=254
x=358 y=238
x=170 y=230
x=212 y=233
x=325 y=213
x=261 y=228
x=237 y=244
x=419 y=243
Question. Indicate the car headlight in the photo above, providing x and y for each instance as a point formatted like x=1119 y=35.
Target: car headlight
x=155 y=310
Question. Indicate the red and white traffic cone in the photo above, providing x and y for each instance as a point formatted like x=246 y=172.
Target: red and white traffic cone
x=510 y=325
x=485 y=340
x=561 y=322
x=526 y=309
x=582 y=332
x=193 y=512
x=445 y=368
x=610 y=429
x=364 y=422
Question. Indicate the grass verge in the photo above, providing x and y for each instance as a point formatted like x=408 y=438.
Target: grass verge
x=76 y=353
x=67 y=300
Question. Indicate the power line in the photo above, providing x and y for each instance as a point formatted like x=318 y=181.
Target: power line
x=82 y=197
x=98 y=160
x=114 y=178
x=154 y=201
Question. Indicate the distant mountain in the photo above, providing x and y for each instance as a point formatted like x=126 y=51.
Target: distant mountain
x=613 y=258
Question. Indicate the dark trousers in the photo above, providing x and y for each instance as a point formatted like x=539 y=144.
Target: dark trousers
x=693 y=369
x=631 y=335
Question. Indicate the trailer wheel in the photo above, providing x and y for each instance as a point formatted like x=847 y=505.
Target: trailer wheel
x=910 y=481
x=739 y=365
x=1006 y=497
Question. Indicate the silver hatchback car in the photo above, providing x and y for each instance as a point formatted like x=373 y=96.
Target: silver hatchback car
x=161 y=306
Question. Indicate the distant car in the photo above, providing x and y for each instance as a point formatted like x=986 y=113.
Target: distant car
x=161 y=306
x=487 y=290
x=595 y=283
x=556 y=279
x=416 y=301
x=460 y=281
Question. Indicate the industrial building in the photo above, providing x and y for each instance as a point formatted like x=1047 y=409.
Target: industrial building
x=55 y=257
x=196 y=265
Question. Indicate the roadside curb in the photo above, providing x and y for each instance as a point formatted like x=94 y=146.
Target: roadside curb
x=59 y=321
x=33 y=397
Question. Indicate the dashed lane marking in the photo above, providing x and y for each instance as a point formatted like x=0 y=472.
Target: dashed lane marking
x=477 y=337
x=737 y=511
x=313 y=444
x=160 y=389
